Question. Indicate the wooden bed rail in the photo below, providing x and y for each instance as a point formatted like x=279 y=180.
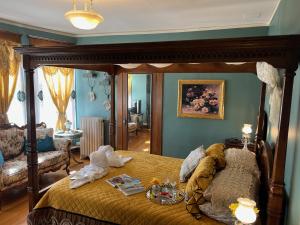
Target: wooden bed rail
x=280 y=51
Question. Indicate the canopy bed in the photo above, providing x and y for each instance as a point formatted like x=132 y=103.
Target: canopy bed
x=282 y=52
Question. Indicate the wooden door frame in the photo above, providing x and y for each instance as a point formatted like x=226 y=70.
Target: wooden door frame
x=156 y=112
x=122 y=111
x=157 y=94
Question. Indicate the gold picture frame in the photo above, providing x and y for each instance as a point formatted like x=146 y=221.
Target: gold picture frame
x=201 y=99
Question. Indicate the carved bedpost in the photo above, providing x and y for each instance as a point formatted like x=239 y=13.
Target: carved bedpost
x=261 y=115
x=112 y=122
x=275 y=208
x=32 y=158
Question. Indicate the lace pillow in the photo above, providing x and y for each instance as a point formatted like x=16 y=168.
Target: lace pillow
x=242 y=160
x=227 y=186
x=190 y=163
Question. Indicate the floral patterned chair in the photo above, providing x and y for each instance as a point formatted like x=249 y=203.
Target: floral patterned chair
x=14 y=170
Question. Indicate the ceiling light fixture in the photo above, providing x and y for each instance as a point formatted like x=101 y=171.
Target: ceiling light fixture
x=86 y=19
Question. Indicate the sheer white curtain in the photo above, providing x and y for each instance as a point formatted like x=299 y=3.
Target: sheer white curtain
x=46 y=110
x=17 y=109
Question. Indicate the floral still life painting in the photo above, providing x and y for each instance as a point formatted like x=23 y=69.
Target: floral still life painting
x=201 y=99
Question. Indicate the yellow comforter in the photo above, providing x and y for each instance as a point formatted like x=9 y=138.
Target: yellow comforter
x=101 y=201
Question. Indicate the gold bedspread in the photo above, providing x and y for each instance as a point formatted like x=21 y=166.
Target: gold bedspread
x=101 y=201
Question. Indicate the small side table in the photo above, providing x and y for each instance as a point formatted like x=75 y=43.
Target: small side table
x=237 y=143
x=72 y=135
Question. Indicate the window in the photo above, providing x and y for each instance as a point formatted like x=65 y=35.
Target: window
x=17 y=109
x=44 y=106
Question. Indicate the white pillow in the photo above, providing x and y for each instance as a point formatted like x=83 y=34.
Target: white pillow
x=190 y=163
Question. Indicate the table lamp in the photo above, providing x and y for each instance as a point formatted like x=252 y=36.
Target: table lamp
x=247 y=130
x=245 y=211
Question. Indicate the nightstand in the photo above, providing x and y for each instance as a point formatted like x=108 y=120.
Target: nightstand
x=237 y=143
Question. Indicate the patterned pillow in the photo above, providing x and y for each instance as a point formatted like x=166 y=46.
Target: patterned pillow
x=198 y=183
x=217 y=152
x=190 y=163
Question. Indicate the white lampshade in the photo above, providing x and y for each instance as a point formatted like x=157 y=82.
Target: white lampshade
x=85 y=20
x=245 y=212
x=247 y=128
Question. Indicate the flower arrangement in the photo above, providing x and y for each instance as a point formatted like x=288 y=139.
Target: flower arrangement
x=205 y=101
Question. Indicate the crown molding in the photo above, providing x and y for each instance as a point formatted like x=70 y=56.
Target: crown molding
x=215 y=28
x=23 y=25
x=274 y=12
x=192 y=29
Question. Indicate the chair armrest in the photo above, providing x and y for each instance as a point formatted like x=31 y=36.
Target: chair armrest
x=62 y=144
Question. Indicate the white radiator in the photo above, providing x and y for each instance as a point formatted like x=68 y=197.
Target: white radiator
x=93 y=135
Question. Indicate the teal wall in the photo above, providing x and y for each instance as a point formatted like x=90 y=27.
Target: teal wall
x=181 y=135
x=84 y=107
x=139 y=91
x=286 y=21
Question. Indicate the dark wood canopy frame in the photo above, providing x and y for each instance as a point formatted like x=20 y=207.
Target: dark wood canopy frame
x=280 y=51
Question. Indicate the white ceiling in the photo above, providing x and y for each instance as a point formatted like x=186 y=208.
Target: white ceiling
x=142 y=16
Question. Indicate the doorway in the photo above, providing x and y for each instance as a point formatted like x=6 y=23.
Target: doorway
x=139 y=112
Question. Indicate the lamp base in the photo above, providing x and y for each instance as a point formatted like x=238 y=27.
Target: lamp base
x=245 y=141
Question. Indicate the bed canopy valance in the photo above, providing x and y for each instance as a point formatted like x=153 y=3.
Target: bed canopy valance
x=282 y=52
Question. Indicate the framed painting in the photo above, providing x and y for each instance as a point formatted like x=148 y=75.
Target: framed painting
x=201 y=99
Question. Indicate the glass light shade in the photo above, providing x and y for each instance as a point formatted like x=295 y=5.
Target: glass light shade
x=247 y=128
x=85 y=20
x=245 y=212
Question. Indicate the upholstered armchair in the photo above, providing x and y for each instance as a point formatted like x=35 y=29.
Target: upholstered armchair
x=12 y=145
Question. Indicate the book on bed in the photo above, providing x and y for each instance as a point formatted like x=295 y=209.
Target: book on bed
x=126 y=184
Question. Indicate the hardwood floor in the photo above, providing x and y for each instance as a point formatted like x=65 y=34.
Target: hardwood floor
x=139 y=142
x=15 y=203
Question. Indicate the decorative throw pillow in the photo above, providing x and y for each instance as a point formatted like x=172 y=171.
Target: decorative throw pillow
x=198 y=183
x=226 y=218
x=1 y=159
x=242 y=160
x=227 y=186
x=190 y=163
x=44 y=145
x=217 y=152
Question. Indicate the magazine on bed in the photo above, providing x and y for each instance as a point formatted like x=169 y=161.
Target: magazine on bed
x=126 y=184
